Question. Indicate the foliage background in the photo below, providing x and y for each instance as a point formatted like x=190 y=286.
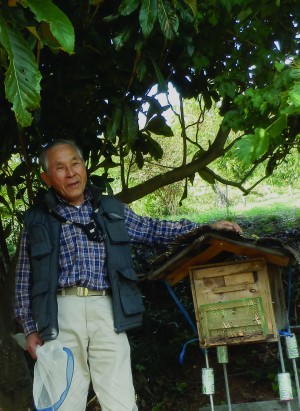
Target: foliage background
x=95 y=70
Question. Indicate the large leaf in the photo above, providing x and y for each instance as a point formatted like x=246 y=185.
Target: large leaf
x=5 y=203
x=252 y=146
x=154 y=148
x=114 y=124
x=168 y=19
x=130 y=126
x=193 y=6
x=163 y=87
x=294 y=96
x=207 y=175
x=60 y=25
x=122 y=37
x=148 y=15
x=22 y=81
x=154 y=107
x=158 y=125
x=128 y=6
x=277 y=127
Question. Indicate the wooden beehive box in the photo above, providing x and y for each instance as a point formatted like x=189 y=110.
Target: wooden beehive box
x=237 y=302
x=236 y=285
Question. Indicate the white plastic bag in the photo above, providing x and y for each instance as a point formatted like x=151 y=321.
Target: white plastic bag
x=53 y=373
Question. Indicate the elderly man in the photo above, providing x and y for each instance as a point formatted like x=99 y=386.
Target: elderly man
x=75 y=279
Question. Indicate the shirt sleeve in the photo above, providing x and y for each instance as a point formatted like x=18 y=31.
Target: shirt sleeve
x=23 y=311
x=149 y=230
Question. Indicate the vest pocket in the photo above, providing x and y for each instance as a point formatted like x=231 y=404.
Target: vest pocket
x=116 y=229
x=40 y=244
x=130 y=295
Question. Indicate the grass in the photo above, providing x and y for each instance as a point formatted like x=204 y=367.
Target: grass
x=283 y=208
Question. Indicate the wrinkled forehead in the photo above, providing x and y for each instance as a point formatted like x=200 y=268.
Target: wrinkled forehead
x=62 y=155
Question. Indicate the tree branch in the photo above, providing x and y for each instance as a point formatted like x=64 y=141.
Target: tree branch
x=177 y=174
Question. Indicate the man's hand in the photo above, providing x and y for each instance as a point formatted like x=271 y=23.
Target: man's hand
x=226 y=225
x=32 y=341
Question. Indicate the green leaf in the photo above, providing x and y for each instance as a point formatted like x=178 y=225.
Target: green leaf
x=154 y=107
x=128 y=6
x=276 y=128
x=168 y=19
x=8 y=230
x=114 y=124
x=148 y=15
x=141 y=70
x=207 y=175
x=244 y=14
x=279 y=65
x=183 y=197
x=157 y=125
x=130 y=126
x=5 y=203
x=102 y=182
x=294 y=95
x=160 y=78
x=95 y=2
x=193 y=6
x=60 y=25
x=18 y=174
x=22 y=81
x=227 y=89
x=252 y=146
x=295 y=73
x=291 y=101
x=20 y=194
x=154 y=148
x=199 y=154
x=139 y=159
x=122 y=37
x=11 y=195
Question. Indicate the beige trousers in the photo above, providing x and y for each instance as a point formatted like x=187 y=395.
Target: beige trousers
x=100 y=354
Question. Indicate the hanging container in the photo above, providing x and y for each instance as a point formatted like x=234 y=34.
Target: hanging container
x=291 y=346
x=208 y=383
x=222 y=354
x=285 y=386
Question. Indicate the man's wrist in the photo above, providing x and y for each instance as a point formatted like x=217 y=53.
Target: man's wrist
x=29 y=327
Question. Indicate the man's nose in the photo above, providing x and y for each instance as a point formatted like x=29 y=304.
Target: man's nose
x=69 y=171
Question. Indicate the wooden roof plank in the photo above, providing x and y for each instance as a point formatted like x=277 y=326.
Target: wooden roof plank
x=207 y=247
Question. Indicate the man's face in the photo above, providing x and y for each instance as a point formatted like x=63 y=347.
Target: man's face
x=66 y=173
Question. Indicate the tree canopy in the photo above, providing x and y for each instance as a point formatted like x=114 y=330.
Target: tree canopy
x=86 y=70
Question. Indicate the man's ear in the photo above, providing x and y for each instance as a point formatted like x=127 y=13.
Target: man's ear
x=46 y=178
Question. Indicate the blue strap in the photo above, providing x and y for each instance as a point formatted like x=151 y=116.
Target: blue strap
x=182 y=309
x=184 y=348
x=286 y=332
x=69 y=376
x=187 y=317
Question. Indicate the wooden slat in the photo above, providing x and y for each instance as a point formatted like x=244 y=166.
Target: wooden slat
x=250 y=250
x=225 y=269
x=230 y=288
x=243 y=278
x=182 y=270
x=178 y=267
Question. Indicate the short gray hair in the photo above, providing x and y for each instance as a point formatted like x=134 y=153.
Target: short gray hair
x=43 y=160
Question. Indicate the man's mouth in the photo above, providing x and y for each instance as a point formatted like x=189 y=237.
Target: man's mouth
x=73 y=185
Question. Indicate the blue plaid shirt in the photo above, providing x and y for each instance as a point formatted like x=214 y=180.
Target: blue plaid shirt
x=81 y=261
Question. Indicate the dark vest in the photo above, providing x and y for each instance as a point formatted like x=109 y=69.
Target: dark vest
x=44 y=233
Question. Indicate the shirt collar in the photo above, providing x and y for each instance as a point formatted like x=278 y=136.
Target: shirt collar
x=87 y=197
